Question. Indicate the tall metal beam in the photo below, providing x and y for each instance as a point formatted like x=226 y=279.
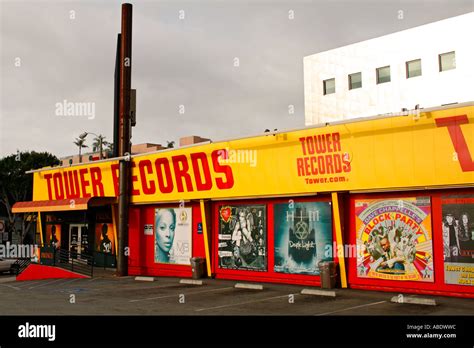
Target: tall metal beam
x=124 y=138
x=115 y=152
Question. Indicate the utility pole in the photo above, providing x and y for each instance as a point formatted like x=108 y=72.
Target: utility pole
x=115 y=145
x=124 y=147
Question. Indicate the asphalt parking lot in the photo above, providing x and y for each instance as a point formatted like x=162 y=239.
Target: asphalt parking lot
x=108 y=295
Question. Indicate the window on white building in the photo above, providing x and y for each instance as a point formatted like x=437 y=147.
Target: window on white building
x=383 y=74
x=355 y=80
x=413 y=68
x=447 y=61
x=329 y=86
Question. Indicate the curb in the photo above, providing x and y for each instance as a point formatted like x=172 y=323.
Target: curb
x=145 y=279
x=191 y=281
x=413 y=300
x=327 y=293
x=249 y=286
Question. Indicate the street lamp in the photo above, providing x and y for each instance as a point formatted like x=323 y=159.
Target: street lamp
x=84 y=135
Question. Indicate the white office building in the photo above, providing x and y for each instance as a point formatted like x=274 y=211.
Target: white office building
x=429 y=65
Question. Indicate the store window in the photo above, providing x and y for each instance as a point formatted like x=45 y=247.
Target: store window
x=303 y=237
x=243 y=237
x=458 y=238
x=447 y=61
x=173 y=235
x=383 y=74
x=355 y=80
x=413 y=68
x=396 y=245
x=329 y=86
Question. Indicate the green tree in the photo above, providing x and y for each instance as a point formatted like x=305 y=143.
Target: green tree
x=79 y=142
x=99 y=144
x=109 y=149
x=16 y=186
x=170 y=144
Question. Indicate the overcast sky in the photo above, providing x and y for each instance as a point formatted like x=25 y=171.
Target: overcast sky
x=50 y=54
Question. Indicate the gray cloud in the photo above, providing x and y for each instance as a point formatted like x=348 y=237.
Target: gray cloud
x=176 y=62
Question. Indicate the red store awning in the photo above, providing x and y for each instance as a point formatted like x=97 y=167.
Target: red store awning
x=62 y=204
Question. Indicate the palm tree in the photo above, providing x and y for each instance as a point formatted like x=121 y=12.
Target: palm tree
x=109 y=148
x=170 y=144
x=97 y=145
x=80 y=143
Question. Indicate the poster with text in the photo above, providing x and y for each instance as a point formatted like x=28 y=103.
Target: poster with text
x=303 y=236
x=242 y=237
x=104 y=237
x=53 y=235
x=173 y=227
x=394 y=239
x=458 y=239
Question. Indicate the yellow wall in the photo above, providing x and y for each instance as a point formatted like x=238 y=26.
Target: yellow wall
x=393 y=152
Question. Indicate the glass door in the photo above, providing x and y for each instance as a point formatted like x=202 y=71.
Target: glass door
x=84 y=240
x=78 y=240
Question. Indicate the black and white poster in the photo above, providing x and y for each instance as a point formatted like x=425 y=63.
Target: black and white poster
x=242 y=241
x=458 y=239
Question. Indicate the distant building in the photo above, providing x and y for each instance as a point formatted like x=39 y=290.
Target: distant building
x=95 y=156
x=430 y=65
x=146 y=147
x=136 y=149
x=190 y=140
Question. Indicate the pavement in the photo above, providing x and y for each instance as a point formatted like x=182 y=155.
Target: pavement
x=106 y=294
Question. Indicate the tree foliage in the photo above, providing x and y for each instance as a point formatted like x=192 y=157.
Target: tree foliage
x=16 y=186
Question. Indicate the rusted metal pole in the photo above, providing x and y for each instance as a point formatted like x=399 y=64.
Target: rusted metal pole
x=124 y=138
x=115 y=152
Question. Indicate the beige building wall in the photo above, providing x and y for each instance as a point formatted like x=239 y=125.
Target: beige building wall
x=193 y=139
x=94 y=156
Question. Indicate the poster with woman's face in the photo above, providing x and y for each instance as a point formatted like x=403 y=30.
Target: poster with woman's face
x=173 y=235
x=458 y=239
x=303 y=236
x=104 y=236
x=53 y=236
x=242 y=241
x=394 y=239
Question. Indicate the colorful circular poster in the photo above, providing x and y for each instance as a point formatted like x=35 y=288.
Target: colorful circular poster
x=394 y=239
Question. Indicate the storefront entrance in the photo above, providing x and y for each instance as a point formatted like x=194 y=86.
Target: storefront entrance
x=78 y=239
